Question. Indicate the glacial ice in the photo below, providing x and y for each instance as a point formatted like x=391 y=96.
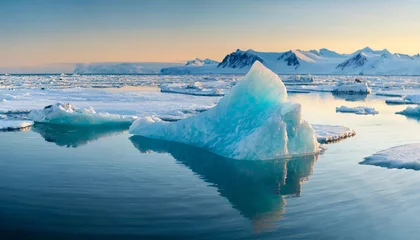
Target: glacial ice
x=411 y=111
x=67 y=114
x=329 y=133
x=353 y=88
x=11 y=125
x=252 y=121
x=404 y=156
x=357 y=110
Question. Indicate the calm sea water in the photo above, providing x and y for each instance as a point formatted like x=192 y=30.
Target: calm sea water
x=72 y=183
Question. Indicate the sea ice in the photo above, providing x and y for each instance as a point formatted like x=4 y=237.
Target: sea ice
x=357 y=110
x=404 y=156
x=411 y=111
x=398 y=101
x=192 y=89
x=353 y=88
x=67 y=114
x=408 y=99
x=329 y=133
x=253 y=121
x=10 y=125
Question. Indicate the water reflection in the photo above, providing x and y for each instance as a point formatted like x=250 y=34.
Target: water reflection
x=71 y=136
x=257 y=189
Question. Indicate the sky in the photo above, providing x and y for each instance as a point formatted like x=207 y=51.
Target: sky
x=36 y=32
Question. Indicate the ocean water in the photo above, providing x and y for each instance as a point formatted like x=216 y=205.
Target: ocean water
x=95 y=183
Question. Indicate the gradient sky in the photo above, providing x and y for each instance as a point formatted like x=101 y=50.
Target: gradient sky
x=34 y=32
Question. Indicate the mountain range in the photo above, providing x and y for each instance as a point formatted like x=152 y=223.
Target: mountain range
x=322 y=61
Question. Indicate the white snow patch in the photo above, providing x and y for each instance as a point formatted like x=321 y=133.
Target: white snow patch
x=357 y=110
x=404 y=156
x=253 y=121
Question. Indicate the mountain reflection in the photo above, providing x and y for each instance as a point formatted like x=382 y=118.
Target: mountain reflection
x=257 y=189
x=71 y=136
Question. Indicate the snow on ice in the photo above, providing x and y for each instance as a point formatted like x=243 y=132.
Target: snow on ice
x=253 y=121
x=353 y=88
x=404 y=156
x=329 y=134
x=67 y=114
x=357 y=110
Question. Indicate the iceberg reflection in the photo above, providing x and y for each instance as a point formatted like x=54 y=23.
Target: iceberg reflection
x=257 y=189
x=73 y=136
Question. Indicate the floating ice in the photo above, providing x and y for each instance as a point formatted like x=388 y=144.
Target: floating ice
x=67 y=114
x=253 y=121
x=354 y=88
x=411 y=111
x=404 y=156
x=11 y=125
x=398 y=101
x=408 y=99
x=357 y=110
x=193 y=89
x=329 y=134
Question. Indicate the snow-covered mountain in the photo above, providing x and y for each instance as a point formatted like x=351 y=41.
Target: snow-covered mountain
x=199 y=62
x=323 y=61
x=122 y=67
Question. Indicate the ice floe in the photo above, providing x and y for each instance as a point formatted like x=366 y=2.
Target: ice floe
x=353 y=88
x=11 y=125
x=357 y=110
x=67 y=114
x=404 y=156
x=411 y=111
x=253 y=121
x=330 y=133
x=195 y=88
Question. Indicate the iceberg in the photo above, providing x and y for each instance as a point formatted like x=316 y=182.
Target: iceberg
x=67 y=114
x=353 y=88
x=404 y=156
x=329 y=134
x=12 y=125
x=411 y=111
x=357 y=110
x=254 y=120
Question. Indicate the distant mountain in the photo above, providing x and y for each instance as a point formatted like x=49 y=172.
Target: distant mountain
x=199 y=62
x=323 y=61
x=122 y=67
